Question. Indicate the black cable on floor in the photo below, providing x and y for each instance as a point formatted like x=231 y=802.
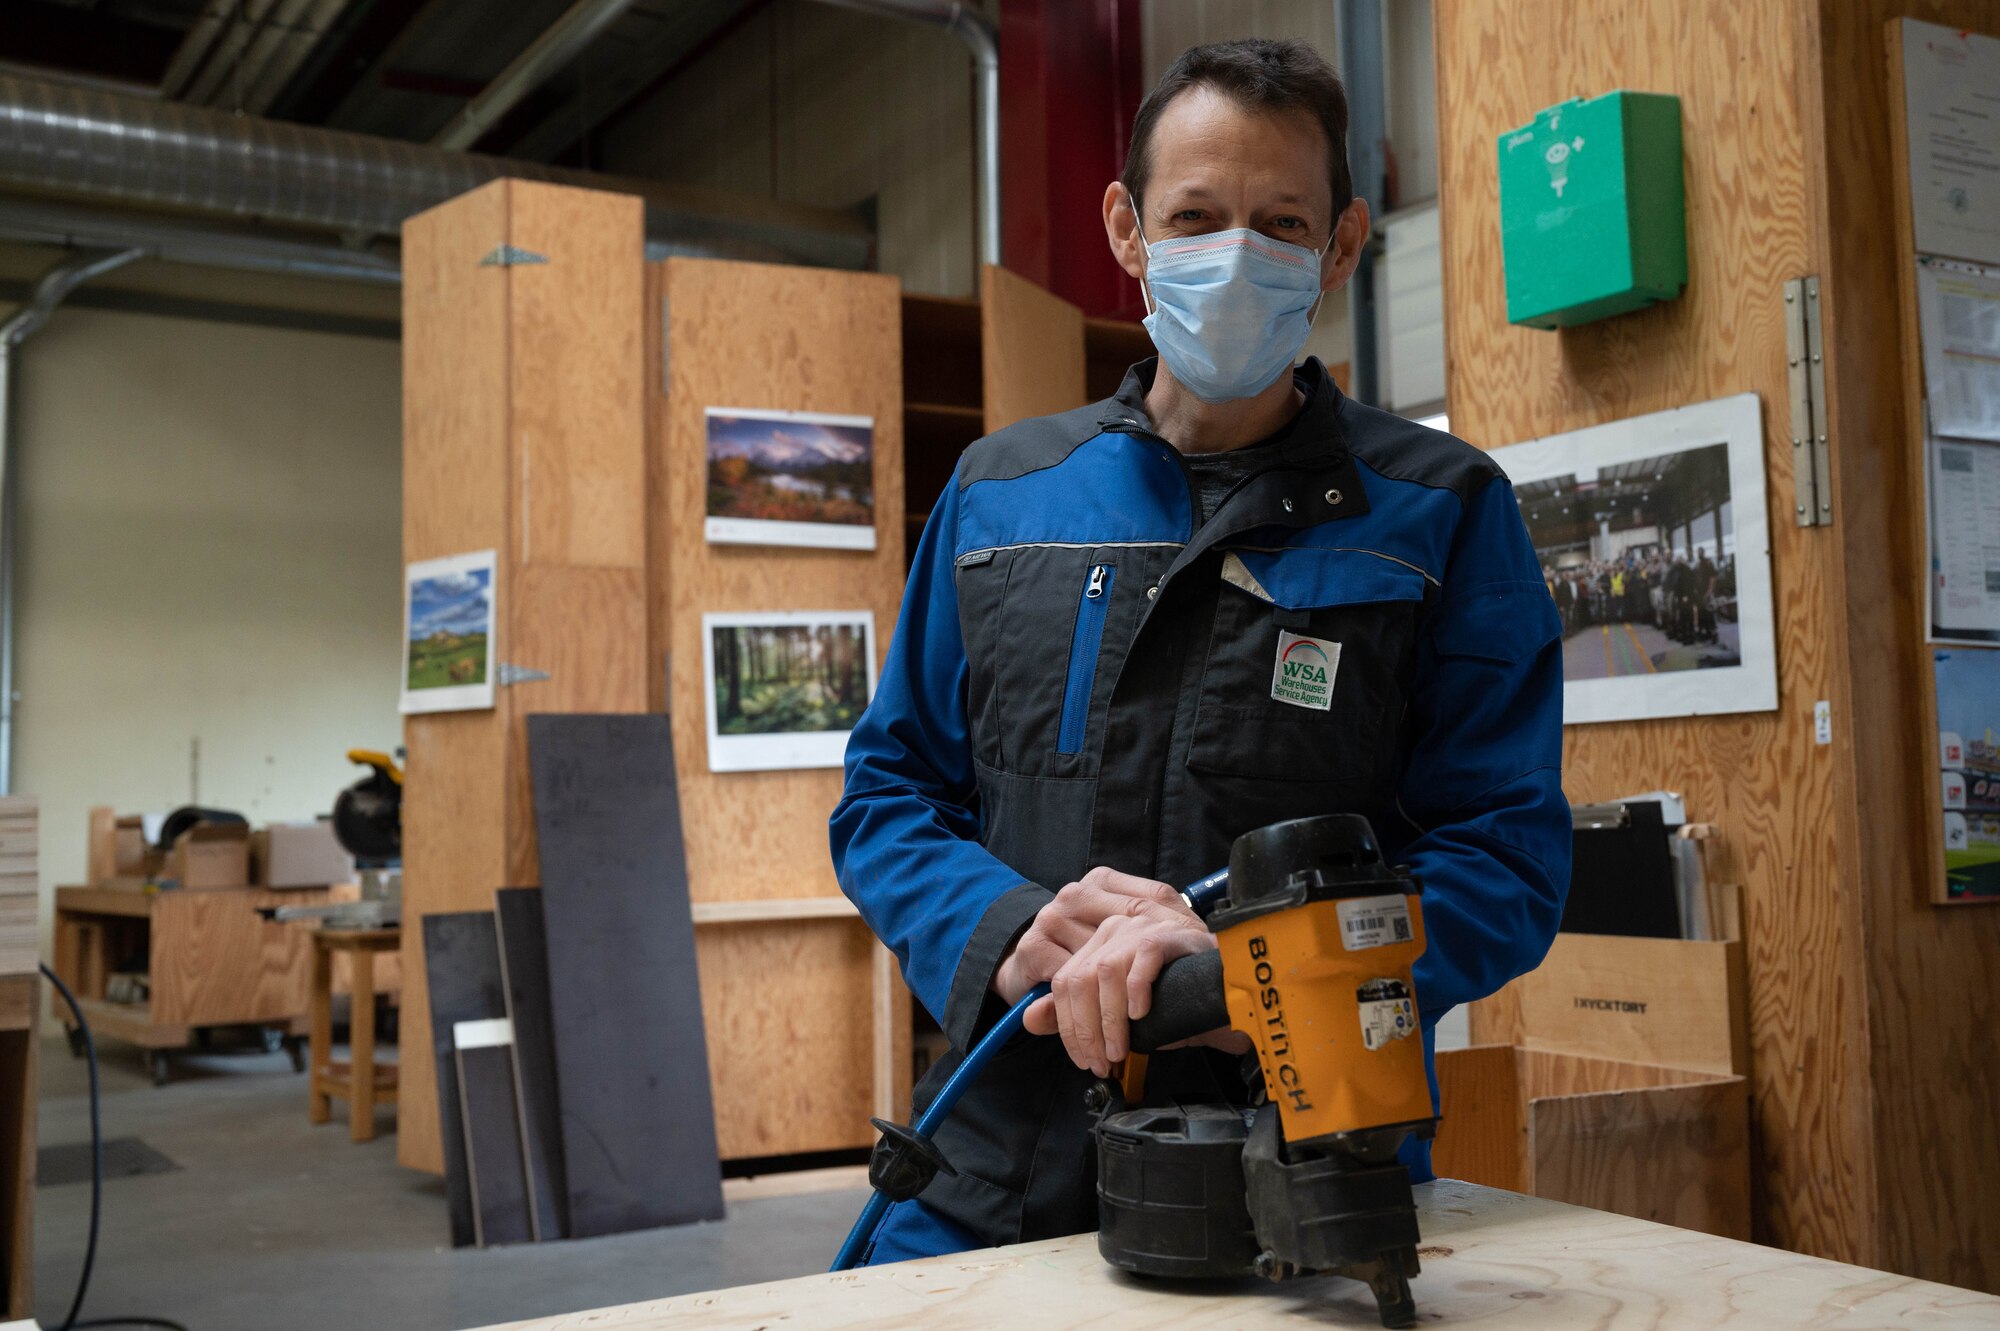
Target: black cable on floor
x=70 y=1323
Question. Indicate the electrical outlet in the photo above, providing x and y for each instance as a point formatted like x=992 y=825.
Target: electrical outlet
x=1823 y=722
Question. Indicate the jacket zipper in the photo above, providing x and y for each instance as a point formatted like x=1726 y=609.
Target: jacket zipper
x=1091 y=609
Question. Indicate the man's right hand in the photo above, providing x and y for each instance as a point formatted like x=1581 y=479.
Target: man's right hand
x=1071 y=920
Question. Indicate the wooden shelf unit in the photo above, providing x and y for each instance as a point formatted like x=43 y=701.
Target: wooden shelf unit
x=210 y=958
x=971 y=367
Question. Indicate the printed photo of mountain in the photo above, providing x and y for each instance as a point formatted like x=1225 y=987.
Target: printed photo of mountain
x=448 y=651
x=791 y=478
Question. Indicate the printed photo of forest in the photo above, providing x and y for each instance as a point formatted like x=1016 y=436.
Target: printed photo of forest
x=789 y=678
x=785 y=469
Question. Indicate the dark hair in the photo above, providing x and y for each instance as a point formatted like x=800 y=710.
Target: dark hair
x=1259 y=75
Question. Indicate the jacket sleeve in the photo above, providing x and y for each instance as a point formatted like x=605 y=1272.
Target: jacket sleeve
x=905 y=834
x=1482 y=791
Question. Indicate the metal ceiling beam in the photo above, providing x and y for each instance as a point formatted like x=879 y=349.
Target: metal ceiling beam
x=561 y=43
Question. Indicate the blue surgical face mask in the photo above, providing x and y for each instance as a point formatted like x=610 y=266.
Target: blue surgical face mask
x=1229 y=311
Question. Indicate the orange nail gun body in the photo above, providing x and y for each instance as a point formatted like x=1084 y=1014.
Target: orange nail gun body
x=1315 y=944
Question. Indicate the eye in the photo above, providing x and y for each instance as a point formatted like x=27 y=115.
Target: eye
x=1188 y=215
x=1288 y=223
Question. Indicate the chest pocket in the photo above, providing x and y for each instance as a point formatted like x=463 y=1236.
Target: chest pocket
x=1044 y=629
x=1307 y=667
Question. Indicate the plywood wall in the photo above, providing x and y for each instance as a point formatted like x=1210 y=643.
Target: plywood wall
x=798 y=993
x=1934 y=1049
x=522 y=434
x=1788 y=836
x=1874 y=1062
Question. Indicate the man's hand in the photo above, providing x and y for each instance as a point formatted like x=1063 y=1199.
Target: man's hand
x=1101 y=944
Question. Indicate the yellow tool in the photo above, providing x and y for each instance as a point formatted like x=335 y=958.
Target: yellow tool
x=1316 y=939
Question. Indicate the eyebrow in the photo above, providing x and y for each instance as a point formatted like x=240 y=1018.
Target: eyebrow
x=1203 y=193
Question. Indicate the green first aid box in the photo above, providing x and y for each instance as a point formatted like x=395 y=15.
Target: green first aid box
x=1593 y=211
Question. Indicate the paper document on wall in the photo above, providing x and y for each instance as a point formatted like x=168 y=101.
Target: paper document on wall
x=1951 y=86
x=1958 y=311
x=1965 y=535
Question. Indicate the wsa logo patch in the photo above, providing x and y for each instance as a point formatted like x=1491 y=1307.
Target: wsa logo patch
x=1304 y=673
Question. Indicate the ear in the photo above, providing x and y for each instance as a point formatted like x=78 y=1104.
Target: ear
x=1121 y=228
x=1350 y=234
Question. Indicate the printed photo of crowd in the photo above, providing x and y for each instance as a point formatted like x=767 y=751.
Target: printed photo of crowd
x=1641 y=561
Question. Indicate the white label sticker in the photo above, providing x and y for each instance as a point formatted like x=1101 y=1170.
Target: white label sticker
x=1387 y=1012
x=1374 y=922
x=1303 y=674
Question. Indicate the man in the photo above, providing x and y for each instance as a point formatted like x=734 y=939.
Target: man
x=1082 y=706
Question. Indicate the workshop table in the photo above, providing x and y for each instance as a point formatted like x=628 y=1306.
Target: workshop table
x=1491 y=1259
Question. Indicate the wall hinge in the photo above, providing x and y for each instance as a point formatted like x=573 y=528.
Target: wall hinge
x=1805 y=360
x=513 y=674
x=507 y=256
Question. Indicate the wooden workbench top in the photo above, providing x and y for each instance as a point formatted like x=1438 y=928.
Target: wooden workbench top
x=1491 y=1259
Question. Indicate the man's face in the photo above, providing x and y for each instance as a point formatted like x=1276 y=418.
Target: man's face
x=1218 y=166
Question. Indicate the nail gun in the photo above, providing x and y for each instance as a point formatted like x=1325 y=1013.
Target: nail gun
x=1316 y=937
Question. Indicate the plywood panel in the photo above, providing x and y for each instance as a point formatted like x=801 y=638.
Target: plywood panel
x=1935 y=1052
x=523 y=434
x=798 y=339
x=791 y=995
x=1665 y=1001
x=1788 y=840
x=1031 y=349
x=574 y=367
x=1495 y=1260
x=1480 y=1136
x=1674 y=1154
x=801 y=993
x=454 y=499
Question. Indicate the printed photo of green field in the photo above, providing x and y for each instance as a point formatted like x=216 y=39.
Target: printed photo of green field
x=451 y=617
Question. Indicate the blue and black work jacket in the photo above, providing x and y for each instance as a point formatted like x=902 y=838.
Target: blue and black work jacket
x=1085 y=674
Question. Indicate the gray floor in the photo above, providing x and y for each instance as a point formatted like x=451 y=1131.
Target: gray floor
x=272 y=1222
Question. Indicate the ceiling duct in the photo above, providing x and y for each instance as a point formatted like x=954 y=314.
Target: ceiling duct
x=80 y=141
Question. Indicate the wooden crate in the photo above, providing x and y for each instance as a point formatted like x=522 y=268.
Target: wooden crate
x=1613 y=1076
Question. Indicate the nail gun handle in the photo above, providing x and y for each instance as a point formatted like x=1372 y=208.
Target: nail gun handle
x=1187 y=1001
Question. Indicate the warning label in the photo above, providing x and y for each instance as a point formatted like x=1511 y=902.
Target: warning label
x=1387 y=1012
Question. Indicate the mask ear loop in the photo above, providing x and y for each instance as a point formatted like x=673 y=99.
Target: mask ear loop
x=1145 y=292
x=1313 y=313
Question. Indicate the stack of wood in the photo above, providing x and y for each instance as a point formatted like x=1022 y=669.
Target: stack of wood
x=566 y=1024
x=20 y=887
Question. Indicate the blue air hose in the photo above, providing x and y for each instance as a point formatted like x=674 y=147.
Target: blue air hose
x=1201 y=896
x=940 y=1109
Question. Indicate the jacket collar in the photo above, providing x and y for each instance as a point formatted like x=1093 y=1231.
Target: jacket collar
x=1315 y=434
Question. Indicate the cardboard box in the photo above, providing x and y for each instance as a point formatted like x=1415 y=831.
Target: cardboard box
x=136 y=857
x=299 y=855
x=210 y=855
